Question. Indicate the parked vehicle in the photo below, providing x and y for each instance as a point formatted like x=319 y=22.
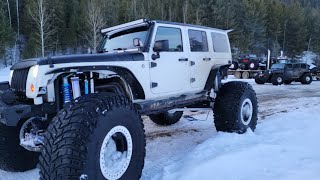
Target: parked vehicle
x=248 y=62
x=285 y=73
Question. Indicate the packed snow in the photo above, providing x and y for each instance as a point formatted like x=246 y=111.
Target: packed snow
x=283 y=147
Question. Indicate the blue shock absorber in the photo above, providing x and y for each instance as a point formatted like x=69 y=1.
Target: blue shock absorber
x=66 y=91
x=86 y=86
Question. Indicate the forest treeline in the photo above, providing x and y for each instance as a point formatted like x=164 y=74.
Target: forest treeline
x=36 y=28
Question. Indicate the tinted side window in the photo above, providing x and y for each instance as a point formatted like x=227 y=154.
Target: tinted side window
x=173 y=36
x=296 y=65
x=198 y=41
x=303 y=66
x=220 y=43
x=289 y=66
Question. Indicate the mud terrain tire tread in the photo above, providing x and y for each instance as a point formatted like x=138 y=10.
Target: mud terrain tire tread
x=65 y=152
x=227 y=107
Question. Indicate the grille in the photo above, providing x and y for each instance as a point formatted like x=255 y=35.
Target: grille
x=19 y=82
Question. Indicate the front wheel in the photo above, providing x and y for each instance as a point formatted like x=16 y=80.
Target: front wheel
x=277 y=79
x=100 y=136
x=259 y=80
x=236 y=108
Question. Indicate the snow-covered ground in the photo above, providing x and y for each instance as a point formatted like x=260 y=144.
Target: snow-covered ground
x=284 y=145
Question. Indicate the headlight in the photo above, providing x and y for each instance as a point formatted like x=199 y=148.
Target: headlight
x=35 y=70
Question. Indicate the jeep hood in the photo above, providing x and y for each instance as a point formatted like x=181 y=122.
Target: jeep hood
x=104 y=57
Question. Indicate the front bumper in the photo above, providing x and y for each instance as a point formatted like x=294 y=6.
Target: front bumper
x=11 y=114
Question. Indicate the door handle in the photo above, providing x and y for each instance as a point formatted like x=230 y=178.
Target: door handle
x=207 y=59
x=183 y=59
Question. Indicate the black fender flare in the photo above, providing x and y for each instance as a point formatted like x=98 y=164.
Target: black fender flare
x=126 y=74
x=215 y=76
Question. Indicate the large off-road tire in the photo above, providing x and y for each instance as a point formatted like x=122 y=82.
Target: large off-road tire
x=14 y=157
x=99 y=136
x=166 y=118
x=277 y=79
x=260 y=80
x=236 y=108
x=306 y=79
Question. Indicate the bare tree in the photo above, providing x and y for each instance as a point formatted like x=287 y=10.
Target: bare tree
x=95 y=22
x=185 y=10
x=18 y=18
x=9 y=12
x=38 y=10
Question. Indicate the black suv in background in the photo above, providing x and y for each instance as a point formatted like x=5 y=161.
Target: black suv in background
x=285 y=73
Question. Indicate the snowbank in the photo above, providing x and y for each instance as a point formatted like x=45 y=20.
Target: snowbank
x=4 y=74
x=284 y=146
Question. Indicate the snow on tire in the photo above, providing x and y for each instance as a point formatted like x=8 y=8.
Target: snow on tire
x=236 y=108
x=100 y=136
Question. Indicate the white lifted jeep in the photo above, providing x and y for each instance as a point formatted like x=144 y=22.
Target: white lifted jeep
x=79 y=116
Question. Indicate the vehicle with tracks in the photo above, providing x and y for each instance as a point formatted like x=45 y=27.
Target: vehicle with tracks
x=285 y=73
x=79 y=116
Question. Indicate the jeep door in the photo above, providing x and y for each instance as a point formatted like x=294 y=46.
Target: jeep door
x=169 y=72
x=200 y=57
x=296 y=70
x=288 y=71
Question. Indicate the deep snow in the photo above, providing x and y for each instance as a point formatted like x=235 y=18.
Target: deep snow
x=284 y=145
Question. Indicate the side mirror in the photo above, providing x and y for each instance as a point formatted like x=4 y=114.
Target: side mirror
x=137 y=43
x=162 y=45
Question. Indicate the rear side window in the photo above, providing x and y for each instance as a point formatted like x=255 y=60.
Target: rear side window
x=172 y=35
x=296 y=65
x=303 y=66
x=198 y=41
x=220 y=43
x=289 y=66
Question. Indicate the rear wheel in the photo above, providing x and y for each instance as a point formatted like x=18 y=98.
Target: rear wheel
x=14 y=157
x=166 y=118
x=306 y=79
x=277 y=79
x=236 y=108
x=101 y=136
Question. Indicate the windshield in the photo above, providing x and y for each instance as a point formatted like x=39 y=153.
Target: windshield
x=277 y=66
x=123 y=40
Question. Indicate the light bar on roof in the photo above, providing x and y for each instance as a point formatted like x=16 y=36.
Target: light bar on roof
x=140 y=21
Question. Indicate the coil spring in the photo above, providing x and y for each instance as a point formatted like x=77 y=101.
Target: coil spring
x=66 y=93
